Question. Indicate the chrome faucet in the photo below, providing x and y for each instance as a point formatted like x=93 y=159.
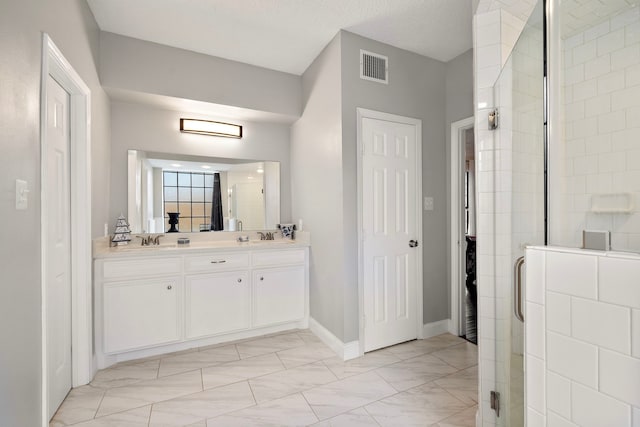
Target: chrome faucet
x=266 y=235
x=239 y=225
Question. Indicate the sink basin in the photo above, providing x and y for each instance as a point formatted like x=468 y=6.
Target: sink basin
x=140 y=247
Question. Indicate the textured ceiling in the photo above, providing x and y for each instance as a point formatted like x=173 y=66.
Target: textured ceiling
x=287 y=35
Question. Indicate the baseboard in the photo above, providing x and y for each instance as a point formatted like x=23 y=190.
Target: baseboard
x=436 y=328
x=346 y=351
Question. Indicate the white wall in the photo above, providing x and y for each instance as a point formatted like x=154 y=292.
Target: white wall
x=316 y=186
x=73 y=29
x=142 y=127
x=583 y=338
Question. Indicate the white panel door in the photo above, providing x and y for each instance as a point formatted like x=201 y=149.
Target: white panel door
x=389 y=224
x=58 y=246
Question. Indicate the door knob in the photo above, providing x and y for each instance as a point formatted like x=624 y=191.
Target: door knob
x=413 y=243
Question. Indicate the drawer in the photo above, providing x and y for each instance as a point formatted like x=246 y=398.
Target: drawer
x=287 y=257
x=216 y=262
x=125 y=269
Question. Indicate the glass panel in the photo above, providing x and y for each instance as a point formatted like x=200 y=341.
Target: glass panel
x=184 y=179
x=197 y=209
x=197 y=180
x=197 y=194
x=170 y=179
x=184 y=194
x=596 y=161
x=519 y=178
x=170 y=194
x=208 y=180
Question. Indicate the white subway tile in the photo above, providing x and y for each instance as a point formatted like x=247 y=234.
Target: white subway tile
x=636 y=417
x=585 y=90
x=625 y=57
x=555 y=420
x=573 y=359
x=625 y=140
x=573 y=274
x=590 y=408
x=573 y=41
x=618 y=281
x=573 y=75
x=490 y=54
x=633 y=116
x=605 y=325
x=558 y=308
x=575 y=111
x=597 y=67
x=600 y=183
x=585 y=128
x=534 y=418
x=611 y=162
x=629 y=97
x=625 y=18
x=534 y=275
x=632 y=34
x=597 y=105
x=584 y=52
x=535 y=328
x=611 y=82
x=535 y=384
x=559 y=394
x=487 y=76
x=635 y=334
x=620 y=376
x=596 y=31
x=611 y=41
x=598 y=144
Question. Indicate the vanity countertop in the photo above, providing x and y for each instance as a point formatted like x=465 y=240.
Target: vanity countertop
x=199 y=243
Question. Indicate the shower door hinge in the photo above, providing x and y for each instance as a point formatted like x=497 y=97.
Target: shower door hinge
x=495 y=402
x=493 y=119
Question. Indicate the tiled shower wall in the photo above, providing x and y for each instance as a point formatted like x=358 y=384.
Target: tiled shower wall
x=583 y=338
x=601 y=152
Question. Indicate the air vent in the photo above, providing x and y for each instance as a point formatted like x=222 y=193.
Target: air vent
x=373 y=67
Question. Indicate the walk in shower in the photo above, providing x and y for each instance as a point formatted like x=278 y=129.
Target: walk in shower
x=565 y=158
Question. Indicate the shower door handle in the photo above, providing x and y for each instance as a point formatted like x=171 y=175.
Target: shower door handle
x=517 y=291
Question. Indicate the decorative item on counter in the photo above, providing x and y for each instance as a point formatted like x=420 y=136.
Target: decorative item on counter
x=183 y=241
x=243 y=239
x=173 y=221
x=122 y=234
x=288 y=231
x=232 y=224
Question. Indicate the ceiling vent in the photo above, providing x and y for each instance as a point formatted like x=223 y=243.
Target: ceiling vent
x=373 y=67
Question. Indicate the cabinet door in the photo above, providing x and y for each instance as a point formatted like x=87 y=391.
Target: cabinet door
x=217 y=303
x=141 y=313
x=278 y=295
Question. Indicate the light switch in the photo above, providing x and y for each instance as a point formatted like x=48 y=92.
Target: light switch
x=22 y=195
x=428 y=203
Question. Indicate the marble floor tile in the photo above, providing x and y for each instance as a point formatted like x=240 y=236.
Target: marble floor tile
x=124 y=374
x=138 y=417
x=411 y=349
x=413 y=372
x=356 y=418
x=147 y=392
x=307 y=353
x=240 y=370
x=200 y=406
x=420 y=406
x=466 y=418
x=345 y=395
x=460 y=356
x=81 y=404
x=290 y=381
x=360 y=365
x=308 y=337
x=289 y=411
x=197 y=359
x=269 y=344
x=462 y=384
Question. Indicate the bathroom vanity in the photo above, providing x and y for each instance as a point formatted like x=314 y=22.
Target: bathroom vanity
x=159 y=299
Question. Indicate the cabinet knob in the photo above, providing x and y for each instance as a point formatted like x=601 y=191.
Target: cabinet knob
x=239 y=280
x=169 y=287
x=261 y=278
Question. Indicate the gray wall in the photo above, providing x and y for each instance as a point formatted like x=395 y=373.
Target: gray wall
x=459 y=105
x=143 y=127
x=145 y=67
x=316 y=172
x=416 y=89
x=72 y=27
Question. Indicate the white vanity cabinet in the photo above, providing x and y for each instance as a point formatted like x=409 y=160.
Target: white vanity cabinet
x=150 y=304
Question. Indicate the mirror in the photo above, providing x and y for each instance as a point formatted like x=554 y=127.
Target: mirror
x=236 y=194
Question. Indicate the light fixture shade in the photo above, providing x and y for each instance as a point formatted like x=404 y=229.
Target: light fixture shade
x=207 y=127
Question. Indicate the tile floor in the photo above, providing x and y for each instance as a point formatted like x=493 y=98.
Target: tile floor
x=287 y=379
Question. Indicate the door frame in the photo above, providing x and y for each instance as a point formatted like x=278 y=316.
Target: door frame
x=456 y=231
x=361 y=114
x=55 y=65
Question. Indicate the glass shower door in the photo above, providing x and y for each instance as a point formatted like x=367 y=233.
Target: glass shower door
x=519 y=96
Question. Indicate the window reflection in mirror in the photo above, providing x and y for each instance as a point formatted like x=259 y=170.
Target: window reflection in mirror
x=210 y=194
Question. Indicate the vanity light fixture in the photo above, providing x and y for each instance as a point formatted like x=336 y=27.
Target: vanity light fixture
x=207 y=127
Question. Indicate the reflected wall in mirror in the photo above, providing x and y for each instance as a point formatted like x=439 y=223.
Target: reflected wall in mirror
x=209 y=193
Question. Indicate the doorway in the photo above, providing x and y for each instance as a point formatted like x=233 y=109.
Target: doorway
x=65 y=229
x=390 y=228
x=463 y=230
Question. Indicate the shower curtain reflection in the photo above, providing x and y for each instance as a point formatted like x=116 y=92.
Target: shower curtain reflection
x=217 y=217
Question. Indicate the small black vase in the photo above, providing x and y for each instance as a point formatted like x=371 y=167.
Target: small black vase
x=173 y=221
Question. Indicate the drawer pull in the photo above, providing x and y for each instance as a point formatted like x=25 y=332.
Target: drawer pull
x=261 y=278
x=239 y=280
x=169 y=287
x=222 y=261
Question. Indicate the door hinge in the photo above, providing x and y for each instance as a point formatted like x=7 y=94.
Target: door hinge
x=495 y=402
x=493 y=119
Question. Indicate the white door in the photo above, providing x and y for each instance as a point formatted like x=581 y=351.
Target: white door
x=389 y=224
x=58 y=247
